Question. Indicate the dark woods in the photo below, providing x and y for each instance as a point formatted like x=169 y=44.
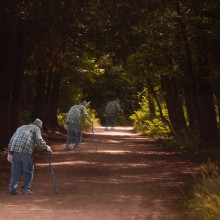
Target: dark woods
x=53 y=54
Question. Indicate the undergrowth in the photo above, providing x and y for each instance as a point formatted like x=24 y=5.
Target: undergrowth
x=202 y=201
x=183 y=141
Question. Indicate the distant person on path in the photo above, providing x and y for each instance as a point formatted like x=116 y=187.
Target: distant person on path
x=74 y=119
x=20 y=150
x=110 y=112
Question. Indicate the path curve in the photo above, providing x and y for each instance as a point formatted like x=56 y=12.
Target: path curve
x=129 y=177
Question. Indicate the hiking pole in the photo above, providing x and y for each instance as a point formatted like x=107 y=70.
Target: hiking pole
x=124 y=120
x=52 y=173
x=94 y=137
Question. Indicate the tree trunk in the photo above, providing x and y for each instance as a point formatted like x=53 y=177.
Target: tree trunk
x=40 y=105
x=190 y=105
x=6 y=44
x=208 y=129
x=151 y=106
x=151 y=89
x=17 y=82
x=54 y=100
x=216 y=58
x=174 y=104
x=24 y=100
x=49 y=89
x=217 y=95
x=190 y=90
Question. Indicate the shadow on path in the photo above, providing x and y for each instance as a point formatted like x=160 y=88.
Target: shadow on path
x=129 y=177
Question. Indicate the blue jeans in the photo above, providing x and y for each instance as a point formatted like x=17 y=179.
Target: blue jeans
x=74 y=131
x=110 y=120
x=23 y=164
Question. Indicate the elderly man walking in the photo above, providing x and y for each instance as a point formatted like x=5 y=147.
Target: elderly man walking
x=74 y=119
x=20 y=150
x=110 y=112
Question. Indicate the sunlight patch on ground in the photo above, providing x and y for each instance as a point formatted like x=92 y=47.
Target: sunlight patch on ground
x=17 y=209
x=114 y=151
x=63 y=163
x=116 y=128
x=114 y=141
x=118 y=131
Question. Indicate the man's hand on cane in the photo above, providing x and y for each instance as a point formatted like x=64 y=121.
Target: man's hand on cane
x=49 y=149
x=10 y=158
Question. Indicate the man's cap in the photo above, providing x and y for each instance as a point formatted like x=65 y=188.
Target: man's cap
x=38 y=123
x=84 y=103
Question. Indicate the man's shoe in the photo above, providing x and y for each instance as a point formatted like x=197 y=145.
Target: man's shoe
x=26 y=192
x=13 y=192
x=67 y=148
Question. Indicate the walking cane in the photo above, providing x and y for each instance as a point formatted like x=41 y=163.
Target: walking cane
x=124 y=120
x=94 y=137
x=52 y=173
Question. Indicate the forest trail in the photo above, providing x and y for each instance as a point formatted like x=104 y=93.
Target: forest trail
x=129 y=177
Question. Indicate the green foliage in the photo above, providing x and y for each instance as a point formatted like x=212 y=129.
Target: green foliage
x=92 y=113
x=82 y=73
x=69 y=95
x=185 y=140
x=203 y=200
x=114 y=83
x=148 y=124
x=83 y=68
x=155 y=127
x=61 y=119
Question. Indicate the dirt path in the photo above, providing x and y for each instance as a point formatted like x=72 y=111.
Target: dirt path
x=128 y=178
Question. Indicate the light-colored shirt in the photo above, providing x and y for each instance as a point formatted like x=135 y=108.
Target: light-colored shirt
x=25 y=139
x=112 y=107
x=76 y=114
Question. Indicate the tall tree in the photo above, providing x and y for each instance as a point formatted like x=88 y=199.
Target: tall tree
x=18 y=76
x=190 y=84
x=7 y=26
x=174 y=103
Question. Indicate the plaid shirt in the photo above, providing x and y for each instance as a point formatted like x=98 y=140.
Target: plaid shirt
x=112 y=107
x=76 y=114
x=25 y=138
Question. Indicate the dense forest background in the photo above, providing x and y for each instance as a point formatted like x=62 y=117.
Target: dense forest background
x=160 y=58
